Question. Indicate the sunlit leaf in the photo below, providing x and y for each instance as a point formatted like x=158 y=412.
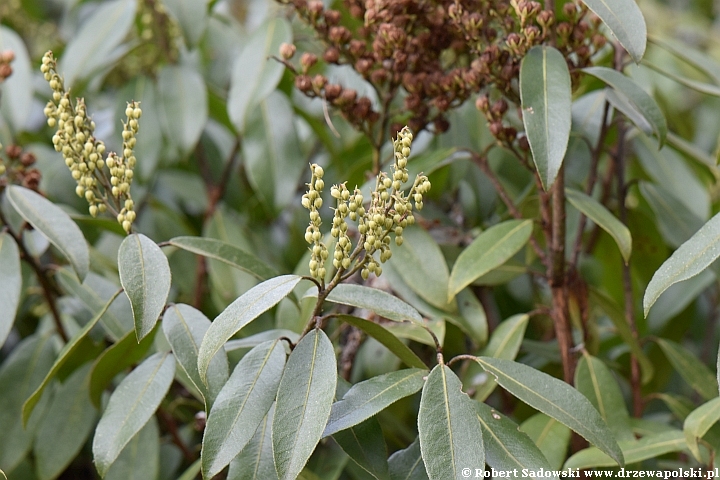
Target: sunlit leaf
x=699 y=422
x=635 y=451
x=378 y=301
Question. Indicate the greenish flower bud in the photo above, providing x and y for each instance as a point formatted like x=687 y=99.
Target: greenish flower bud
x=321 y=272
x=318 y=202
x=319 y=184
x=365 y=273
x=398 y=241
x=335 y=192
x=346 y=263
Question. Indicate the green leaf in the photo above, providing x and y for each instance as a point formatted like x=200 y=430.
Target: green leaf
x=706 y=88
x=693 y=256
x=419 y=333
x=698 y=423
x=594 y=380
x=676 y=222
x=182 y=121
x=634 y=451
x=504 y=343
x=625 y=21
x=390 y=341
x=184 y=328
x=11 y=282
x=255 y=462
x=140 y=458
x=255 y=75
x=192 y=18
x=692 y=370
x=372 y=396
x=692 y=56
x=556 y=399
x=472 y=319
x=550 y=436
x=65 y=427
x=506 y=447
x=258 y=338
x=303 y=404
x=679 y=405
x=378 y=301
x=130 y=407
x=677 y=298
x=365 y=445
x=421 y=264
x=91 y=49
x=637 y=97
x=226 y=253
x=145 y=276
x=597 y=212
x=72 y=348
x=242 y=311
x=54 y=224
x=448 y=427
x=408 y=464
x=115 y=359
x=20 y=373
x=242 y=405
x=546 y=105
x=489 y=250
x=17 y=89
x=690 y=150
x=191 y=472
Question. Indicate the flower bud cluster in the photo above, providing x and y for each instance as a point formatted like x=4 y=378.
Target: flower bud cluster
x=313 y=201
x=84 y=154
x=18 y=168
x=6 y=59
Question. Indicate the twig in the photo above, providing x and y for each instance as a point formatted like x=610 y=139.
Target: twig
x=171 y=427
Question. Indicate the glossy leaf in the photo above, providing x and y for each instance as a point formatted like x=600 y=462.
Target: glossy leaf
x=550 y=436
x=255 y=75
x=304 y=400
x=242 y=311
x=67 y=424
x=370 y=397
x=378 y=301
x=625 y=21
x=91 y=48
x=255 y=462
x=72 y=348
x=390 y=341
x=365 y=445
x=11 y=282
x=145 y=276
x=602 y=217
x=489 y=250
x=226 y=253
x=17 y=89
x=408 y=464
x=242 y=405
x=183 y=121
x=449 y=430
x=693 y=256
x=141 y=456
x=690 y=368
x=54 y=224
x=699 y=422
x=115 y=359
x=635 y=451
x=184 y=328
x=421 y=265
x=637 y=97
x=595 y=380
x=130 y=407
x=556 y=399
x=506 y=447
x=546 y=105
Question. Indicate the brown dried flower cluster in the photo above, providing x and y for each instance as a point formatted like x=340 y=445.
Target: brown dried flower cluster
x=433 y=54
x=17 y=168
x=6 y=59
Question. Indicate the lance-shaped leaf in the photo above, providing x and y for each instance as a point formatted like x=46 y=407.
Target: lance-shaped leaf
x=255 y=75
x=449 y=430
x=242 y=311
x=367 y=398
x=625 y=21
x=701 y=87
x=690 y=368
x=602 y=217
x=141 y=456
x=54 y=224
x=693 y=256
x=638 y=98
x=699 y=422
x=145 y=276
x=226 y=253
x=556 y=399
x=304 y=400
x=183 y=122
x=635 y=451
x=255 y=462
x=676 y=222
x=242 y=405
x=11 y=281
x=365 y=444
x=130 y=407
x=72 y=348
x=390 y=341
x=546 y=97
x=506 y=447
x=489 y=250
x=408 y=464
x=550 y=436
x=184 y=328
x=380 y=302
x=17 y=89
